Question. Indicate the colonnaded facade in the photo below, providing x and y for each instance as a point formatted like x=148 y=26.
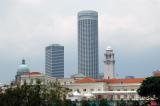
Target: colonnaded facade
x=88 y=88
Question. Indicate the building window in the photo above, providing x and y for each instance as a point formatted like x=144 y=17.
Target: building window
x=84 y=89
x=77 y=90
x=132 y=89
x=99 y=89
x=118 y=96
x=125 y=89
x=125 y=96
x=92 y=89
x=118 y=89
x=132 y=96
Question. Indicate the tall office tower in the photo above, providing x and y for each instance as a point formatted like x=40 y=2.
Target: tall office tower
x=54 y=62
x=88 y=43
x=109 y=64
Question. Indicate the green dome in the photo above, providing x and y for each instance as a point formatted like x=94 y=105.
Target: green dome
x=23 y=68
x=79 y=75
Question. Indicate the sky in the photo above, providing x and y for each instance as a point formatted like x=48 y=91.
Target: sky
x=130 y=27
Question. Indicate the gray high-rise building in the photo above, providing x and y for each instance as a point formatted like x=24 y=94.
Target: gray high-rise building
x=54 y=61
x=88 y=43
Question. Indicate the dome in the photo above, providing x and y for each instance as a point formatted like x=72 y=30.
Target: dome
x=109 y=48
x=23 y=68
x=78 y=76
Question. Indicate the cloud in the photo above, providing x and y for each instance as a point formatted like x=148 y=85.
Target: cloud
x=28 y=26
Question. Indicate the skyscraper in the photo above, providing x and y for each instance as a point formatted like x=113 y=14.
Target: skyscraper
x=110 y=64
x=54 y=61
x=88 y=43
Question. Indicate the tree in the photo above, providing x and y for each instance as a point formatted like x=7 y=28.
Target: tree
x=57 y=94
x=135 y=103
x=150 y=88
x=121 y=103
x=85 y=103
x=132 y=103
x=52 y=94
x=103 y=102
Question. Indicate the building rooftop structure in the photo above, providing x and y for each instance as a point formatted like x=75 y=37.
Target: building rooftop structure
x=33 y=73
x=22 y=68
x=86 y=80
x=156 y=73
x=32 y=78
x=115 y=81
x=124 y=80
x=109 y=48
x=79 y=75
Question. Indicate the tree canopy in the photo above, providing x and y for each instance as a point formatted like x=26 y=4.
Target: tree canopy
x=150 y=88
x=52 y=94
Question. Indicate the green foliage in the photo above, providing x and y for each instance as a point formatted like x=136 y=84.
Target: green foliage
x=135 y=103
x=121 y=103
x=150 y=88
x=35 y=95
x=103 y=102
x=132 y=103
x=85 y=103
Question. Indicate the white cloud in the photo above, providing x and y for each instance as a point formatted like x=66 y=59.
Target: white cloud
x=27 y=26
x=30 y=2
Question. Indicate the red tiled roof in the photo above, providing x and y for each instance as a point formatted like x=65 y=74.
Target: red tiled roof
x=86 y=80
x=112 y=81
x=126 y=80
x=33 y=73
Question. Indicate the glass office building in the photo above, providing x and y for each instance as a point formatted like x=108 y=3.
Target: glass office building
x=54 y=61
x=88 y=43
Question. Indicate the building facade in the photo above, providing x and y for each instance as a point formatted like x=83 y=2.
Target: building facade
x=54 y=61
x=109 y=72
x=112 y=89
x=88 y=43
x=32 y=78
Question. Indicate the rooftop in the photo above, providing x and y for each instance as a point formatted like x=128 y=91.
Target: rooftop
x=86 y=80
x=79 y=75
x=112 y=81
x=109 y=48
x=33 y=73
x=124 y=80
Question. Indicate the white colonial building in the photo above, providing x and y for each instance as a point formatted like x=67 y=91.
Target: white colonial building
x=89 y=88
x=115 y=89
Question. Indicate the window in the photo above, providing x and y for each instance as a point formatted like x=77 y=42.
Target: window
x=125 y=89
x=92 y=89
x=132 y=96
x=77 y=90
x=84 y=89
x=118 y=96
x=125 y=96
